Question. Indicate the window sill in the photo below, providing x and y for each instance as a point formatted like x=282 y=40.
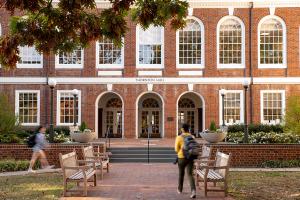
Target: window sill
x=271 y=66
x=230 y=66
x=190 y=66
x=29 y=66
x=147 y=66
x=69 y=66
x=110 y=66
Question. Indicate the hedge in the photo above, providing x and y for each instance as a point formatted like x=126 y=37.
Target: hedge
x=16 y=165
x=281 y=163
x=256 y=128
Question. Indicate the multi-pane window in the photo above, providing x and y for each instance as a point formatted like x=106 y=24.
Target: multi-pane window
x=190 y=44
x=230 y=42
x=232 y=108
x=66 y=112
x=150 y=46
x=27 y=107
x=74 y=59
x=29 y=57
x=272 y=106
x=271 y=42
x=108 y=54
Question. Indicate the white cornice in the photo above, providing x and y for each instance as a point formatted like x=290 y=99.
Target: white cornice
x=223 y=3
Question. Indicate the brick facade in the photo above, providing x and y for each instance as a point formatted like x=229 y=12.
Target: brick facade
x=242 y=155
x=168 y=91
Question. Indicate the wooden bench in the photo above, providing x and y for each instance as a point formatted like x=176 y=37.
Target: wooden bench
x=101 y=159
x=214 y=171
x=74 y=172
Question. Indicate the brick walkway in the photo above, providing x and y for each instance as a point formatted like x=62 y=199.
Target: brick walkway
x=142 y=182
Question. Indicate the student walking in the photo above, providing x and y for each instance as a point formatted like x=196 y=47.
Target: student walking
x=40 y=144
x=183 y=162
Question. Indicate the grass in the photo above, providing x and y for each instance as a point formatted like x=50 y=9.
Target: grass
x=265 y=185
x=243 y=186
x=31 y=187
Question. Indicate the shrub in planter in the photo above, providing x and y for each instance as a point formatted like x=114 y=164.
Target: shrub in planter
x=255 y=128
x=264 y=138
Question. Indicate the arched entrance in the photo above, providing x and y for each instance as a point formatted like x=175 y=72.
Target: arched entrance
x=150 y=116
x=110 y=115
x=190 y=110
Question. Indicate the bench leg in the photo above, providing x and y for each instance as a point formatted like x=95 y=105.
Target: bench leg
x=215 y=184
x=205 y=187
x=225 y=188
x=85 y=187
x=107 y=167
x=65 y=188
x=95 y=179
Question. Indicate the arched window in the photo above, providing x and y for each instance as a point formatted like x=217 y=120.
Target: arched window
x=231 y=43
x=150 y=47
x=114 y=103
x=186 y=103
x=150 y=103
x=272 y=43
x=190 y=44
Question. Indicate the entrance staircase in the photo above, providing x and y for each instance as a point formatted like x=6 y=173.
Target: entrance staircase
x=140 y=154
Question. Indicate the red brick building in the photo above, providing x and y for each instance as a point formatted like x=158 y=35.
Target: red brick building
x=161 y=78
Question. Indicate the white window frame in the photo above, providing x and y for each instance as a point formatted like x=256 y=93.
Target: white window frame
x=31 y=66
x=110 y=66
x=241 y=92
x=17 y=95
x=58 y=123
x=272 y=66
x=150 y=66
x=69 y=66
x=192 y=66
x=262 y=92
x=231 y=66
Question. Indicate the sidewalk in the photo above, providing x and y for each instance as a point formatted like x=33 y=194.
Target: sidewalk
x=137 y=181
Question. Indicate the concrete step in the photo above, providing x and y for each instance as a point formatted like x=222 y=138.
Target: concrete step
x=140 y=154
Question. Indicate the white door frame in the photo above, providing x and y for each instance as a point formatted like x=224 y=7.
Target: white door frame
x=97 y=114
x=137 y=113
x=203 y=109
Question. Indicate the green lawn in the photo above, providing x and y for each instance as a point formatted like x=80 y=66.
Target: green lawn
x=265 y=185
x=243 y=186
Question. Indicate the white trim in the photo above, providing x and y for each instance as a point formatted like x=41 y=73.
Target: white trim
x=150 y=87
x=140 y=80
x=96 y=111
x=137 y=113
x=110 y=66
x=17 y=94
x=69 y=66
x=190 y=11
x=58 y=123
x=192 y=66
x=150 y=66
x=272 y=66
x=203 y=109
x=190 y=73
x=262 y=103
x=230 y=11
x=191 y=87
x=241 y=92
x=109 y=87
x=110 y=73
x=272 y=10
x=231 y=66
x=150 y=73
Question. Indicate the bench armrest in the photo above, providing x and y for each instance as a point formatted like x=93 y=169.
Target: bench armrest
x=213 y=167
x=88 y=162
x=77 y=167
x=96 y=158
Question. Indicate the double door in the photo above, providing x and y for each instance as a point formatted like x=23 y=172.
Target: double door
x=150 y=123
x=113 y=123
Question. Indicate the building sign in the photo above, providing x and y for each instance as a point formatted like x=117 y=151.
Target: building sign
x=150 y=80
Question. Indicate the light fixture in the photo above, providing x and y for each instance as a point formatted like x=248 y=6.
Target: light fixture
x=52 y=82
x=246 y=82
x=222 y=91
x=75 y=92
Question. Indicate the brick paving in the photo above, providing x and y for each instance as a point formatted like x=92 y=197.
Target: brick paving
x=135 y=181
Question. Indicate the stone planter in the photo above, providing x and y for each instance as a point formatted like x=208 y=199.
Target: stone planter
x=83 y=137
x=213 y=137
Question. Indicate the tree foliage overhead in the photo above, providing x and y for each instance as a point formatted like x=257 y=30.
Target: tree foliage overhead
x=64 y=25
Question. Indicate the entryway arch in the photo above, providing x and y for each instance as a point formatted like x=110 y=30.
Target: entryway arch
x=149 y=115
x=190 y=109
x=109 y=115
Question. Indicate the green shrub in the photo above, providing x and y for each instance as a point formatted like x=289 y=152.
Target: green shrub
x=8 y=122
x=292 y=115
x=264 y=138
x=16 y=165
x=255 y=128
x=281 y=163
x=83 y=126
x=213 y=126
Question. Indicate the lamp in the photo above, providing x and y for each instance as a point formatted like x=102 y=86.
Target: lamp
x=246 y=84
x=52 y=84
x=75 y=93
x=223 y=92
